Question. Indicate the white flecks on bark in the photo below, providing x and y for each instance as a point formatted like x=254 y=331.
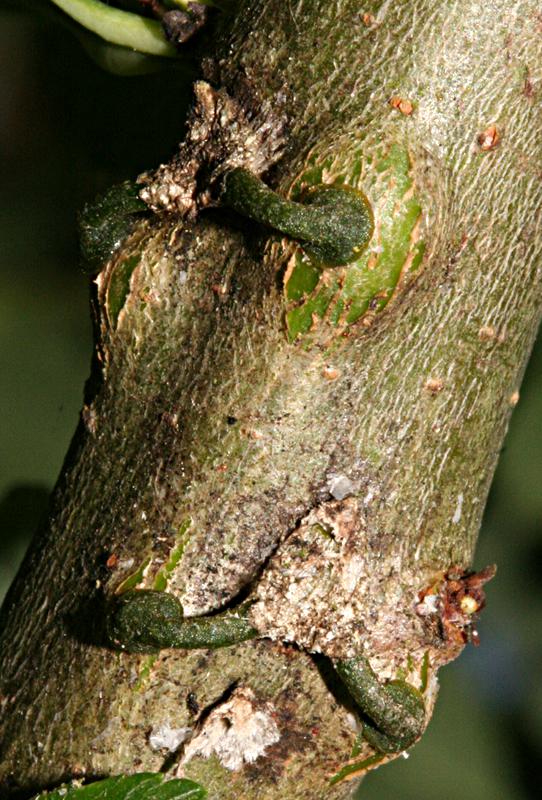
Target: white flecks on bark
x=458 y=510
x=165 y=737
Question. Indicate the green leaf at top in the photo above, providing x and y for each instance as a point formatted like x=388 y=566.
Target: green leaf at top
x=142 y=786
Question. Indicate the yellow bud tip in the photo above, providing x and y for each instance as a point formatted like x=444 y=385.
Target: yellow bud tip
x=469 y=605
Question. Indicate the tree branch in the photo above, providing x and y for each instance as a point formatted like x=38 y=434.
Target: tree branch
x=322 y=440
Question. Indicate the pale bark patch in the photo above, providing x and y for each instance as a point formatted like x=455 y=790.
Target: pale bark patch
x=238 y=732
x=325 y=589
x=165 y=737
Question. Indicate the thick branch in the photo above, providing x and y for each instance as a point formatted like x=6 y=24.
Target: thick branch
x=224 y=426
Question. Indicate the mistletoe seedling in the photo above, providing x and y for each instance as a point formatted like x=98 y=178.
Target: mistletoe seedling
x=333 y=223
x=146 y=620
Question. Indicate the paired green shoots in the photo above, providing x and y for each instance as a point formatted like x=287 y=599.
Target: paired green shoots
x=144 y=621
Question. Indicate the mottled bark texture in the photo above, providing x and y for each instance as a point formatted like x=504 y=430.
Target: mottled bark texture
x=334 y=465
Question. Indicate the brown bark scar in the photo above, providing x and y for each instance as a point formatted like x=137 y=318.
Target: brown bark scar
x=223 y=133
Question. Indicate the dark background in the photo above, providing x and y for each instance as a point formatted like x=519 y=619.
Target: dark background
x=69 y=130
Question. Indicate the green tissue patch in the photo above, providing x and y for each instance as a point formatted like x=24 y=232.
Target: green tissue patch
x=119 y=286
x=145 y=672
x=322 y=531
x=357 y=746
x=358 y=768
x=163 y=575
x=343 y=296
x=142 y=786
x=302 y=318
x=134 y=579
x=304 y=278
x=424 y=676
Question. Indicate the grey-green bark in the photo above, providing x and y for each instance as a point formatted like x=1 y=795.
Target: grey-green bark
x=216 y=436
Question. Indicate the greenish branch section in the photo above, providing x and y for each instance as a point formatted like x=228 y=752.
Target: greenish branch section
x=246 y=387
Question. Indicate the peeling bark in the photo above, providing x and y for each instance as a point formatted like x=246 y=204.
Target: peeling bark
x=220 y=434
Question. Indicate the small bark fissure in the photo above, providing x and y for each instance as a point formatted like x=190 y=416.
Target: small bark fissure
x=247 y=591
x=173 y=759
x=223 y=698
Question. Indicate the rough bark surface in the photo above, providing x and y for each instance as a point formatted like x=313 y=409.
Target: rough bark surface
x=214 y=444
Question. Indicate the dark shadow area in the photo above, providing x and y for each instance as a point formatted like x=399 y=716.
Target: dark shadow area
x=87 y=622
x=334 y=684
x=22 y=509
x=531 y=561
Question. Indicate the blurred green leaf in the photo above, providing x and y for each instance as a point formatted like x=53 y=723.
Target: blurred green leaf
x=142 y=786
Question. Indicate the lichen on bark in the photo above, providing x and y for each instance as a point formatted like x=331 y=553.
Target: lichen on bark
x=206 y=410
